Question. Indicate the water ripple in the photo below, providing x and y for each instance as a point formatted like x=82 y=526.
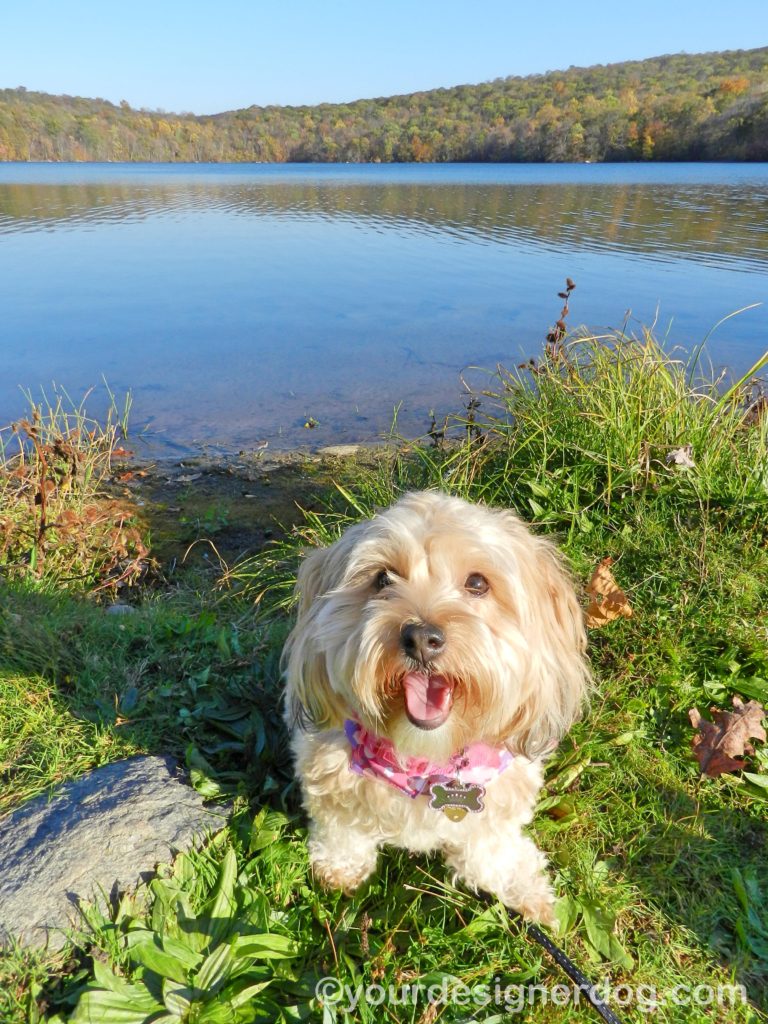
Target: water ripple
x=725 y=225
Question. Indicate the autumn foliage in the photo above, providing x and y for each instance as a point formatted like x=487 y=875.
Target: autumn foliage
x=711 y=106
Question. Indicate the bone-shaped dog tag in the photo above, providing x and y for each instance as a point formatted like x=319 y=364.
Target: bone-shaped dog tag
x=455 y=799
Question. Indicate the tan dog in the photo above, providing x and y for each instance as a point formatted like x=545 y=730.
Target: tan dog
x=438 y=655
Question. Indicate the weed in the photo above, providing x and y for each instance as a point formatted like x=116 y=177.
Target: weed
x=56 y=521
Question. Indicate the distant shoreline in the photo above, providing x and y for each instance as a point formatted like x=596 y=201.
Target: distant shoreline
x=693 y=107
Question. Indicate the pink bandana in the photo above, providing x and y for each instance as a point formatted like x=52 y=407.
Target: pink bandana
x=476 y=765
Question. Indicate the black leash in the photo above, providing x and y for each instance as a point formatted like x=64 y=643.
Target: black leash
x=579 y=979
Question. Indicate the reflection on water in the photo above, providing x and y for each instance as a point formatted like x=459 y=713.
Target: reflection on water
x=236 y=302
x=724 y=224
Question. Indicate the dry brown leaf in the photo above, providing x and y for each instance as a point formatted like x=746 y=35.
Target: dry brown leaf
x=69 y=519
x=720 y=745
x=607 y=600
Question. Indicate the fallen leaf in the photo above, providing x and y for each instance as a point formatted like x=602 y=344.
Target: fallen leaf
x=607 y=600
x=721 y=744
x=681 y=457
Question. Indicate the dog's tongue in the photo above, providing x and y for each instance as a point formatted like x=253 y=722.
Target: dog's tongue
x=428 y=699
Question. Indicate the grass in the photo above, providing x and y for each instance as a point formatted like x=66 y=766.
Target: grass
x=661 y=872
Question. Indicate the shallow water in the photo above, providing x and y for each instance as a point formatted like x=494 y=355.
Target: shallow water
x=238 y=301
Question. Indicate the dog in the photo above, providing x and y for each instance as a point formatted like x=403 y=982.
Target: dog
x=437 y=657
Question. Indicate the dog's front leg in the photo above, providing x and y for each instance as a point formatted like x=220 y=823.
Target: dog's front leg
x=508 y=865
x=343 y=835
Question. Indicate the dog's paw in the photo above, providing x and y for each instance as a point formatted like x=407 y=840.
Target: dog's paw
x=331 y=876
x=539 y=907
x=338 y=872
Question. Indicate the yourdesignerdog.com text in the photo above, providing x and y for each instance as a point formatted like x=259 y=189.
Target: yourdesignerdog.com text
x=517 y=997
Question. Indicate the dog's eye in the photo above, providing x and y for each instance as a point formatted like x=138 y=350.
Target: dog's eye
x=476 y=584
x=383 y=579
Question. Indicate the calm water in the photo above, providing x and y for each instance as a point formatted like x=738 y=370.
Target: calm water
x=237 y=301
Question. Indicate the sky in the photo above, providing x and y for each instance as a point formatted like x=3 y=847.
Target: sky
x=207 y=57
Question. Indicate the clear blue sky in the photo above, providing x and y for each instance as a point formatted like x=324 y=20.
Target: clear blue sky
x=212 y=56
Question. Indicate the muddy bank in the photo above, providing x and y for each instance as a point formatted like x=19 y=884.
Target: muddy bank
x=207 y=508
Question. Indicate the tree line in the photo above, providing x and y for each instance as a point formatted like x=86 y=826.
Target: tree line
x=711 y=106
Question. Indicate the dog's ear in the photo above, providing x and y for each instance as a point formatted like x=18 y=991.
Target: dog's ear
x=309 y=695
x=560 y=675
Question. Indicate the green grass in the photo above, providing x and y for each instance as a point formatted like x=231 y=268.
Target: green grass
x=661 y=872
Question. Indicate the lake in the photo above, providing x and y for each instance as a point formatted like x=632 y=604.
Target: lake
x=238 y=302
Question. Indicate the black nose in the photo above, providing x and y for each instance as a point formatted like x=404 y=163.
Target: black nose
x=422 y=641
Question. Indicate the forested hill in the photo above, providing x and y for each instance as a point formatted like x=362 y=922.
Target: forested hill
x=710 y=106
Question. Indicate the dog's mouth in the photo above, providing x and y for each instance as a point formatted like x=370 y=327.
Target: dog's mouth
x=428 y=699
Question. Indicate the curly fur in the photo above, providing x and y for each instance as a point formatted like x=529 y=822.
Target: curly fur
x=515 y=656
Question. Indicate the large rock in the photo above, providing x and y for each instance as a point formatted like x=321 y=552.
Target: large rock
x=102 y=833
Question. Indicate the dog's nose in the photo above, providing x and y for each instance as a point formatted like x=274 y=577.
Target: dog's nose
x=422 y=641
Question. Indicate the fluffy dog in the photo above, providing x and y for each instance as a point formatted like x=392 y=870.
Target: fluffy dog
x=437 y=657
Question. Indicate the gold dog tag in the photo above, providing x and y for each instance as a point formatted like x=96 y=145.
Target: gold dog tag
x=456 y=799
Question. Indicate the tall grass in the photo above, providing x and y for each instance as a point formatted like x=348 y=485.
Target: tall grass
x=57 y=521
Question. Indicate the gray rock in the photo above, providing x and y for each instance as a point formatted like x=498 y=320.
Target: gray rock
x=100 y=834
x=119 y=608
x=340 y=450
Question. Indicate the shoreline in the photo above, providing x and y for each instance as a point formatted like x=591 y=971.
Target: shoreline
x=233 y=505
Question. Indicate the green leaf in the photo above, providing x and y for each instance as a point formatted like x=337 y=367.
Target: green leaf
x=481 y=924
x=106 y=979
x=740 y=888
x=133 y=996
x=757 y=780
x=184 y=870
x=619 y=955
x=566 y=912
x=204 y=785
x=568 y=776
x=753 y=686
x=218 y=911
x=265 y=947
x=540 y=490
x=256 y=910
x=215 y=970
x=178 y=998
x=242 y=990
x=599 y=925
x=625 y=738
x=217 y=1013
x=146 y=950
x=755 y=792
x=585 y=523
x=222 y=642
x=192 y=929
x=103 y=1007
x=536 y=508
x=178 y=948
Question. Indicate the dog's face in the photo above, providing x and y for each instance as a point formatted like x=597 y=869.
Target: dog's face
x=438 y=624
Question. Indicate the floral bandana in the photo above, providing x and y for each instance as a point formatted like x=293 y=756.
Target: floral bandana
x=456 y=787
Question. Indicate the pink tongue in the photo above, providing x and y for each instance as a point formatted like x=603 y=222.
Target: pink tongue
x=427 y=697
